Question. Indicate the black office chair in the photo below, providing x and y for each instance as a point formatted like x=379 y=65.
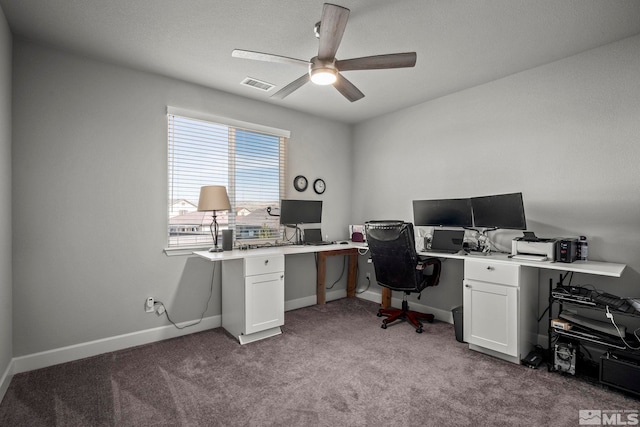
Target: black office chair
x=399 y=268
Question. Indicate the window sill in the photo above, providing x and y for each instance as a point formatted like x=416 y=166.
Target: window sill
x=247 y=243
x=184 y=251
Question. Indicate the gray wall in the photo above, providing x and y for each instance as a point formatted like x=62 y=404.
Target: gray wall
x=564 y=134
x=90 y=197
x=6 y=350
x=89 y=180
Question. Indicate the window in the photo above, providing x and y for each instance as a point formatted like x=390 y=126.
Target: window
x=248 y=159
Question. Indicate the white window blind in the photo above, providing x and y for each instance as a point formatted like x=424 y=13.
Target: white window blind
x=249 y=160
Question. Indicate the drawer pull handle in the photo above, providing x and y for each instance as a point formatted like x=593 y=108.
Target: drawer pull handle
x=266 y=261
x=281 y=276
x=490 y=268
x=467 y=286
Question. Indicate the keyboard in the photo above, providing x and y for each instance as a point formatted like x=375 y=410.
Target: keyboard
x=442 y=251
x=612 y=301
x=321 y=243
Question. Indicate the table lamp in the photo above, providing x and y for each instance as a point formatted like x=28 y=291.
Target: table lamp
x=214 y=198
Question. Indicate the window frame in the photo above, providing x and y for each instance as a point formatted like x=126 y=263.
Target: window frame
x=234 y=125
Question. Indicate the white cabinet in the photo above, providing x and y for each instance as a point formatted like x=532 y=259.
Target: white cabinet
x=253 y=297
x=500 y=308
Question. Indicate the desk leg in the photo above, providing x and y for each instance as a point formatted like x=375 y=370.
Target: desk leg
x=321 y=291
x=352 y=276
x=386 y=298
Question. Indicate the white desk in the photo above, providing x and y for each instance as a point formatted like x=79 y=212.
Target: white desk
x=524 y=287
x=501 y=298
x=589 y=267
x=598 y=268
x=253 y=285
x=323 y=251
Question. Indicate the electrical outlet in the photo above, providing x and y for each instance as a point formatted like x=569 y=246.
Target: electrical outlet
x=149 y=305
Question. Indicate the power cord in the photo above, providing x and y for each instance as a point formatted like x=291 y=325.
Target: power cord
x=613 y=322
x=166 y=311
x=368 y=284
x=344 y=263
x=543 y=313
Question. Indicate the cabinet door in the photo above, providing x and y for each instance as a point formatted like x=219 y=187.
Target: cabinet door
x=491 y=316
x=264 y=302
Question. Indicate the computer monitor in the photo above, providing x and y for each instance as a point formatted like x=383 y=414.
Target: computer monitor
x=300 y=211
x=442 y=213
x=499 y=211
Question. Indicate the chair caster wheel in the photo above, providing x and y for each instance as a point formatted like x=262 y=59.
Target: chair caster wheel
x=379 y=314
x=430 y=320
x=419 y=330
x=383 y=326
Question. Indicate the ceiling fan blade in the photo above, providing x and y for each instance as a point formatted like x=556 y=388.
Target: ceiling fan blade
x=348 y=89
x=332 y=25
x=294 y=85
x=378 y=62
x=267 y=57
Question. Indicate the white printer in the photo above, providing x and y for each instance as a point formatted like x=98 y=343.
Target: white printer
x=531 y=247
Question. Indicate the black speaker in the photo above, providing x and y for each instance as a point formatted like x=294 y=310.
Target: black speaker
x=227 y=240
x=620 y=371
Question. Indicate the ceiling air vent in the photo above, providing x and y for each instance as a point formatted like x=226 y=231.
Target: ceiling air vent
x=257 y=84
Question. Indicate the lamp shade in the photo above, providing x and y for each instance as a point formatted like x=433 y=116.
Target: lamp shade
x=213 y=198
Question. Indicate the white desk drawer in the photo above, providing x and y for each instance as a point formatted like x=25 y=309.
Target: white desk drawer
x=263 y=265
x=492 y=272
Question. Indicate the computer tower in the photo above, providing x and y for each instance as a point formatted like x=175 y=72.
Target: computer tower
x=566 y=250
x=620 y=371
x=564 y=358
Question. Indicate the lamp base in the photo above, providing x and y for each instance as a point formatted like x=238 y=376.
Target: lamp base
x=215 y=249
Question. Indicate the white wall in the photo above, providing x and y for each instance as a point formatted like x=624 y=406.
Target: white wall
x=89 y=193
x=565 y=134
x=6 y=323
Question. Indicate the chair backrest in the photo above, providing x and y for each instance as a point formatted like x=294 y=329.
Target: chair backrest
x=393 y=252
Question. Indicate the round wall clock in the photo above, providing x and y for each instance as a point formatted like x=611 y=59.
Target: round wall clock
x=319 y=186
x=300 y=183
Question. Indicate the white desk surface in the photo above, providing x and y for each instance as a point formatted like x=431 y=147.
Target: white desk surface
x=273 y=250
x=589 y=267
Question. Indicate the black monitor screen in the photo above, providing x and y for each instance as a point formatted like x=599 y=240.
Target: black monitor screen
x=499 y=211
x=442 y=212
x=300 y=211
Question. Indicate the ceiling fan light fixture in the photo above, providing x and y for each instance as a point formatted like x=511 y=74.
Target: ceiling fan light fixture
x=323 y=76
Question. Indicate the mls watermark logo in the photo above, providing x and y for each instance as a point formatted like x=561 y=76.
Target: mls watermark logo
x=597 y=417
x=590 y=417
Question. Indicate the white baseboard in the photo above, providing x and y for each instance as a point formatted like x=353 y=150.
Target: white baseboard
x=299 y=303
x=312 y=300
x=370 y=296
x=5 y=380
x=93 y=348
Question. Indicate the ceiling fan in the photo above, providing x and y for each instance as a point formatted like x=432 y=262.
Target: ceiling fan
x=325 y=69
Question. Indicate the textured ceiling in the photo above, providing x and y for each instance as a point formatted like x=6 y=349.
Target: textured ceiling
x=459 y=43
